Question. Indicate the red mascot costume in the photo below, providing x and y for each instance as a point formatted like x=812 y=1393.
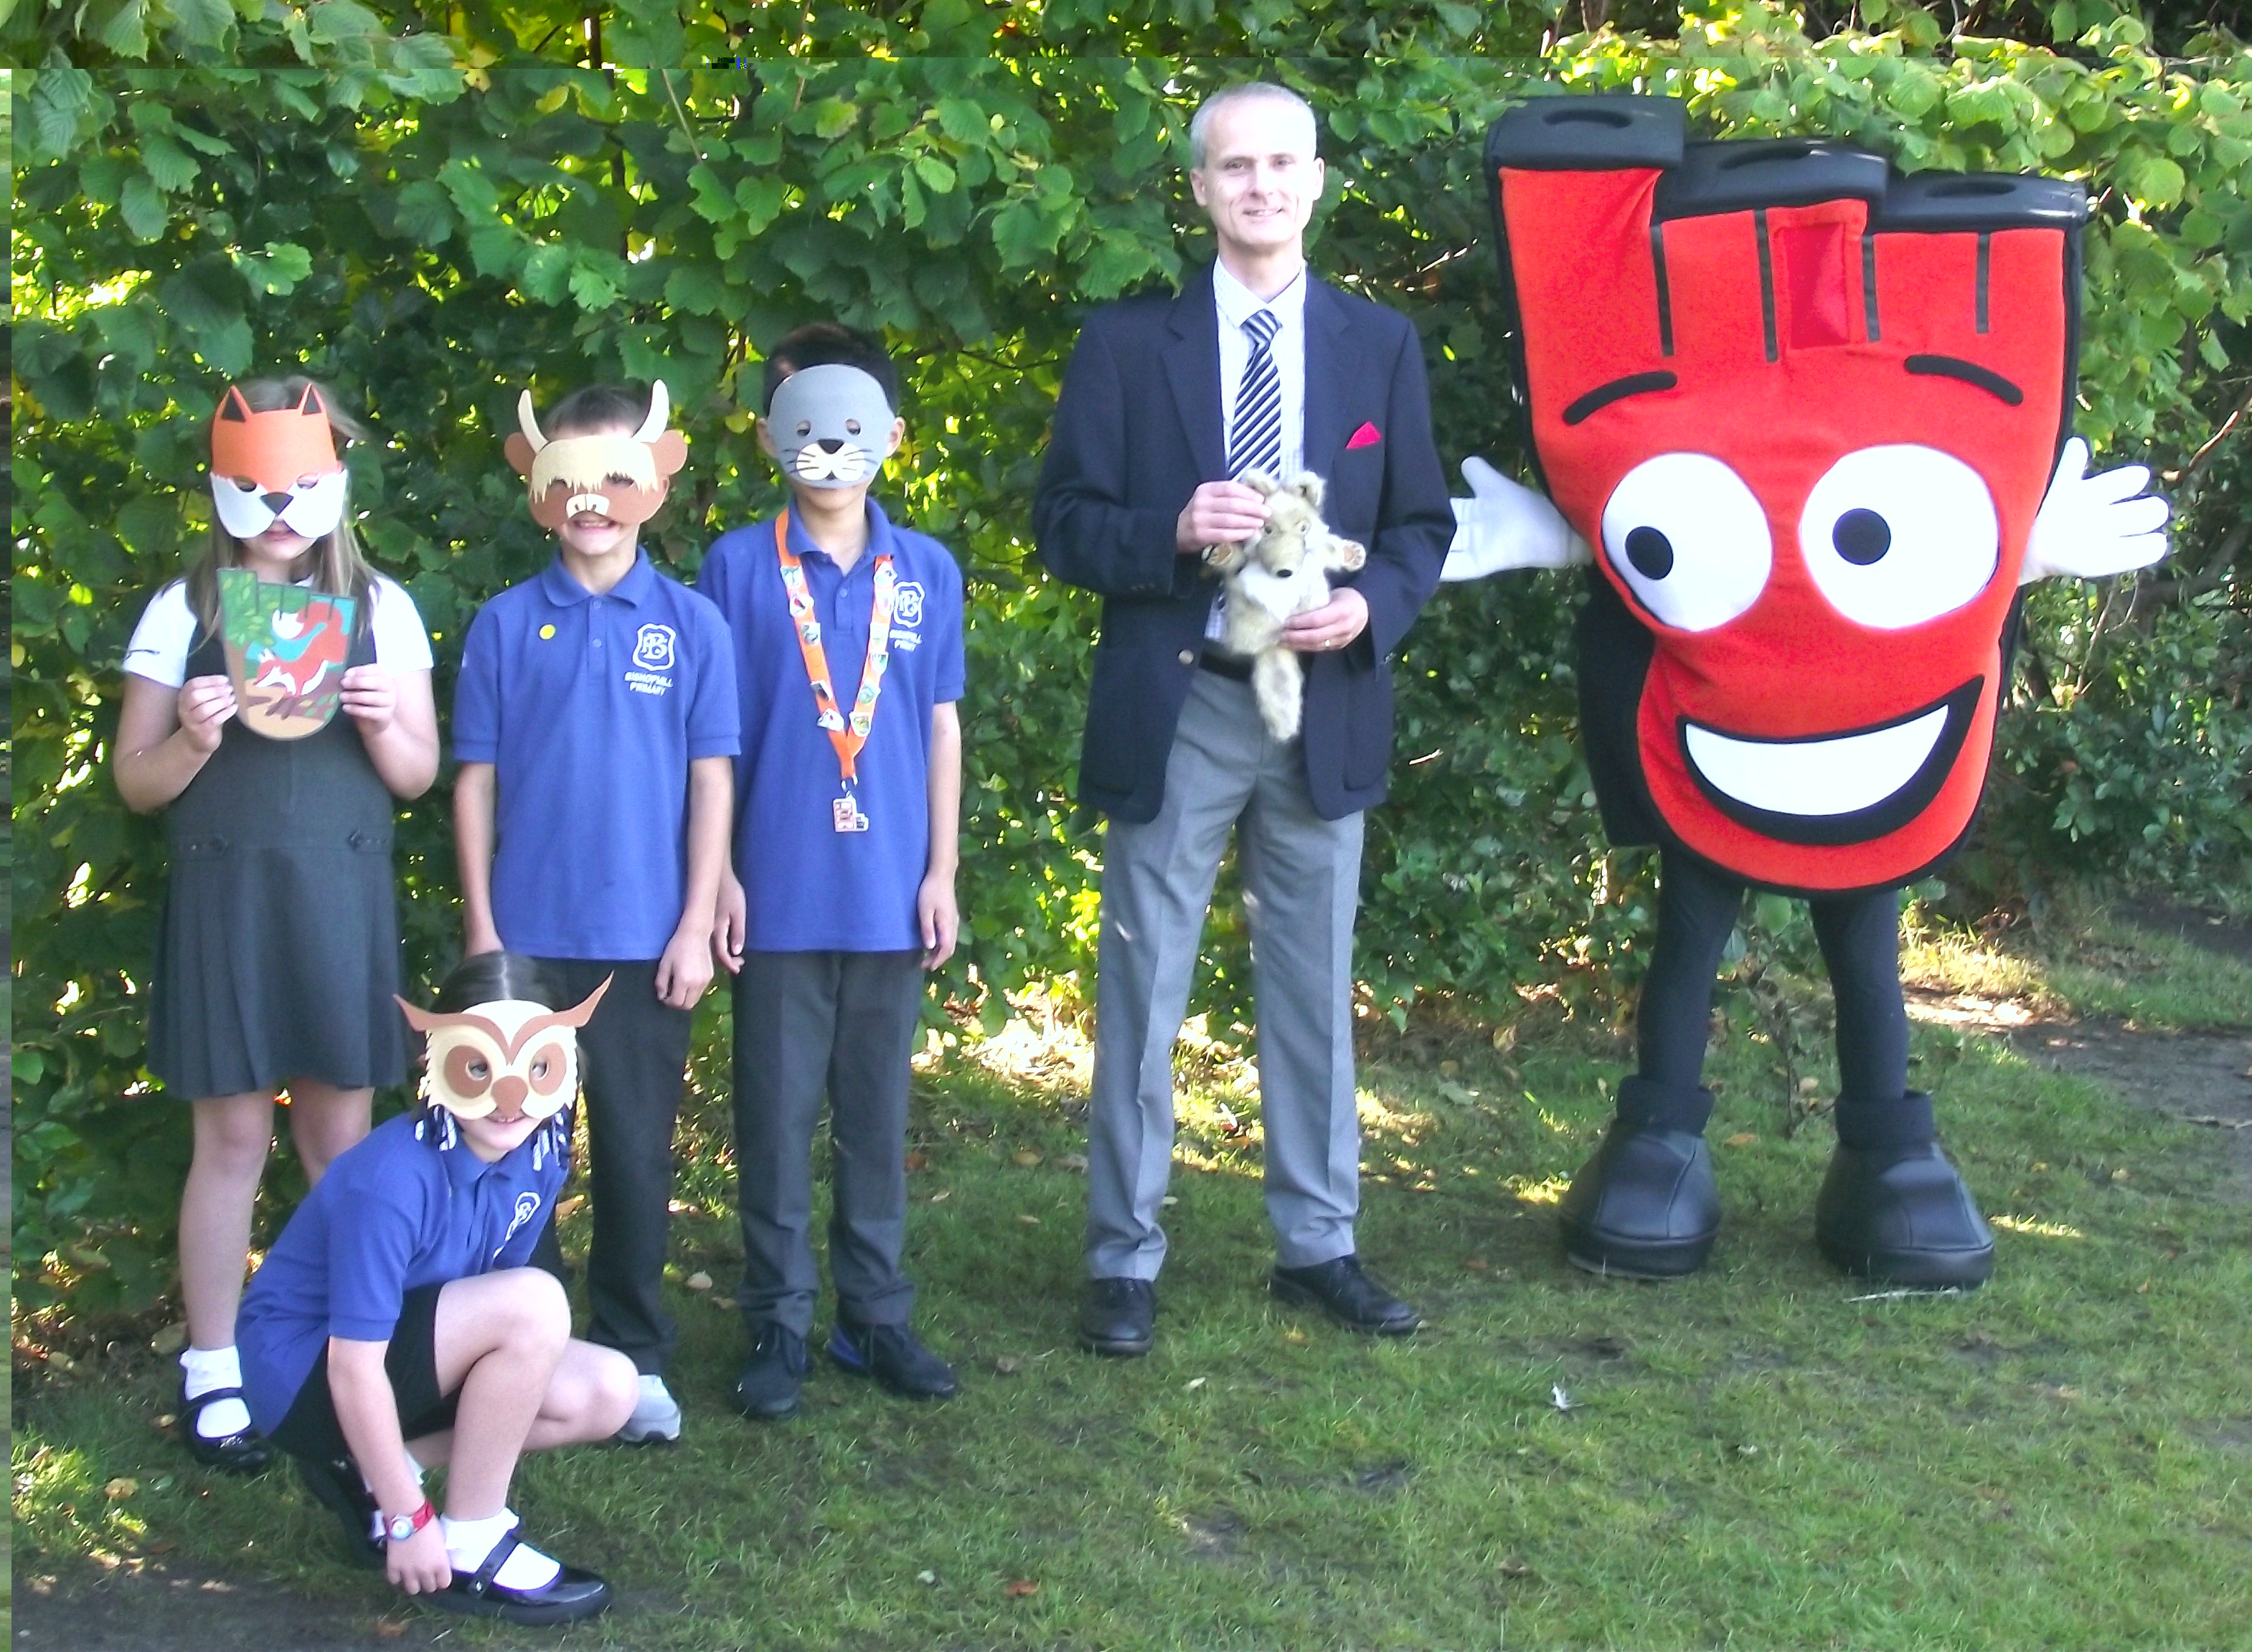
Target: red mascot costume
x=1807 y=417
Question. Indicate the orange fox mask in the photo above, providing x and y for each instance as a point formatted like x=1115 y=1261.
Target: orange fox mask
x=280 y=466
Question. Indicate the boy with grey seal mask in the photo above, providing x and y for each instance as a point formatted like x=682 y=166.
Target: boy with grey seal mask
x=831 y=426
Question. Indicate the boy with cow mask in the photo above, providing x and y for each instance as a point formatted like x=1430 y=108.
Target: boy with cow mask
x=595 y=728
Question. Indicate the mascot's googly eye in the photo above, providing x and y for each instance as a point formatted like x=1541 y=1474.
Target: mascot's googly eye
x=1687 y=535
x=1897 y=535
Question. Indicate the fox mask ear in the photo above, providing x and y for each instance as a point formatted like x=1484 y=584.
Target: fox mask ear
x=232 y=407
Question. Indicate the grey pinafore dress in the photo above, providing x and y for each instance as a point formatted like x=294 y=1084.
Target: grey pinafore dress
x=277 y=950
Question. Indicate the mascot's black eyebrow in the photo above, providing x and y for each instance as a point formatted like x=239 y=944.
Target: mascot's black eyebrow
x=1618 y=390
x=1969 y=372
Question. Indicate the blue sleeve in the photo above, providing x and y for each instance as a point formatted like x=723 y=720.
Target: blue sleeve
x=714 y=714
x=373 y=1235
x=949 y=678
x=553 y=1169
x=476 y=693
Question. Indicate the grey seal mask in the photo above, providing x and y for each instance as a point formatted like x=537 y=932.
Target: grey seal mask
x=831 y=426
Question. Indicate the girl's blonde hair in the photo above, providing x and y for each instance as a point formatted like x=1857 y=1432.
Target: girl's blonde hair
x=334 y=562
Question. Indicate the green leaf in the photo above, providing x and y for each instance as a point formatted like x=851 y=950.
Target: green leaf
x=760 y=200
x=278 y=271
x=833 y=117
x=172 y=167
x=696 y=286
x=330 y=21
x=963 y=121
x=591 y=285
x=61 y=95
x=227 y=348
x=494 y=249
x=1914 y=93
x=127 y=31
x=205 y=23
x=2155 y=181
x=547 y=274
x=937 y=177
x=710 y=198
x=423 y=213
x=141 y=204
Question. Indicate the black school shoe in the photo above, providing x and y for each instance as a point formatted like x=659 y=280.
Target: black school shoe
x=244 y=1452
x=1903 y=1216
x=1343 y=1290
x=1118 y=1316
x=570 y=1595
x=1645 y=1206
x=335 y=1485
x=894 y=1358
x=767 y=1387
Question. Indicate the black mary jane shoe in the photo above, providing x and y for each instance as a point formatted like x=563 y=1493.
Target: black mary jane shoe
x=1646 y=1205
x=335 y=1485
x=1902 y=1217
x=243 y=1452
x=1342 y=1288
x=568 y=1596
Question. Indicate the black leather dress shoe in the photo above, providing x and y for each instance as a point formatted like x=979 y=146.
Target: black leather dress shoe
x=1343 y=1291
x=570 y=1595
x=244 y=1452
x=1118 y=1316
x=767 y=1387
x=1646 y=1205
x=335 y=1485
x=891 y=1355
x=1902 y=1217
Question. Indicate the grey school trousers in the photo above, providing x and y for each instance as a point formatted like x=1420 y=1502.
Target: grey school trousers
x=809 y=1024
x=1301 y=883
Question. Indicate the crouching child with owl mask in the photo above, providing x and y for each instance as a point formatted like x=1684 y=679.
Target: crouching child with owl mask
x=396 y=1325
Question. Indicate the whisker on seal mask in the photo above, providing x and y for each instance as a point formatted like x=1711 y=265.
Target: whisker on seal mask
x=831 y=426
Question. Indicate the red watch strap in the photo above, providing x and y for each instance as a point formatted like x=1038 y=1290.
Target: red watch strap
x=419 y=1519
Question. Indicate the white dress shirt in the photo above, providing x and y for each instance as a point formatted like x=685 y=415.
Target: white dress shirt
x=1236 y=303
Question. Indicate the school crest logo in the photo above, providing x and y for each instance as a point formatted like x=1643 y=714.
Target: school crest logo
x=527 y=1206
x=906 y=605
x=653 y=648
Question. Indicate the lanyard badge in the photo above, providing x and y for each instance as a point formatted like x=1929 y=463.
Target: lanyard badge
x=847 y=734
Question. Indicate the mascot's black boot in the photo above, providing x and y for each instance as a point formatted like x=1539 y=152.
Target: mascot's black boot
x=1646 y=1205
x=1894 y=1210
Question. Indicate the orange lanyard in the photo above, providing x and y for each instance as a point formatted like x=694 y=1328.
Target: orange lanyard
x=847 y=735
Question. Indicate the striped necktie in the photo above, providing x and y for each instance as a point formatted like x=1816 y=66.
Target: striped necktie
x=1255 y=441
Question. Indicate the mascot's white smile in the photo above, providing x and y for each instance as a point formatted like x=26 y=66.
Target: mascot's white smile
x=1824 y=776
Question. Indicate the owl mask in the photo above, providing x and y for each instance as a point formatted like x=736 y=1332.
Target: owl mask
x=831 y=426
x=508 y=1054
x=623 y=476
x=280 y=465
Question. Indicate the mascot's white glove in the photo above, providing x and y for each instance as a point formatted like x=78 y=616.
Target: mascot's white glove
x=1503 y=526
x=2088 y=527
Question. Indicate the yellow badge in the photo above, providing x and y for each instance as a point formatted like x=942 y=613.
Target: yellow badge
x=545 y=632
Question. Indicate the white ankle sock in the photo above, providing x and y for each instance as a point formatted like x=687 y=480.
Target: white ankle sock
x=204 y=1369
x=468 y=1542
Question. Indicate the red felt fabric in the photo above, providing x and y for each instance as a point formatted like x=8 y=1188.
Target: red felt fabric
x=1792 y=665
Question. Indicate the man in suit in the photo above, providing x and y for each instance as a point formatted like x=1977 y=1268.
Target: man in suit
x=1168 y=399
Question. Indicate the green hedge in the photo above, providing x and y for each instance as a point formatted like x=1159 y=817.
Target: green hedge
x=432 y=221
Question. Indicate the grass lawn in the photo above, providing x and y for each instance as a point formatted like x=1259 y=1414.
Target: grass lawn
x=1760 y=1456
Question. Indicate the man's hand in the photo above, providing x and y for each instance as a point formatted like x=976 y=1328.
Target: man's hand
x=1218 y=513
x=728 y=921
x=371 y=698
x=420 y=1565
x=205 y=703
x=940 y=917
x=685 y=970
x=1344 y=617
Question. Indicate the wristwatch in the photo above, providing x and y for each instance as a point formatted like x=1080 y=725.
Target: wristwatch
x=399 y=1528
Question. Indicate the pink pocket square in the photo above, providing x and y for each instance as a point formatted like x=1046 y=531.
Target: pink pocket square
x=1367 y=436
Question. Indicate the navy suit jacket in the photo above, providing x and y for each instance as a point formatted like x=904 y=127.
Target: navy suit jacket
x=1137 y=427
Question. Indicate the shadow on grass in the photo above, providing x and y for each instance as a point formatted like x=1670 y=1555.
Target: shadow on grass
x=1759 y=1455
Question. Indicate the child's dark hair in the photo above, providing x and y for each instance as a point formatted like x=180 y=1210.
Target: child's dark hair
x=824 y=344
x=486 y=977
x=597 y=407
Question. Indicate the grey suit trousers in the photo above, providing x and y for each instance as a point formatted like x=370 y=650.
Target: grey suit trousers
x=1301 y=883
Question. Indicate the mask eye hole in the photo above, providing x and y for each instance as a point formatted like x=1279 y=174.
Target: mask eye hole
x=246 y=484
x=308 y=483
x=619 y=481
x=547 y=1069
x=1897 y=535
x=851 y=426
x=468 y=1074
x=805 y=427
x=1687 y=536
x=476 y=1068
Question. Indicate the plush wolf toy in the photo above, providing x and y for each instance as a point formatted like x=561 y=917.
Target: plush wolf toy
x=1281 y=571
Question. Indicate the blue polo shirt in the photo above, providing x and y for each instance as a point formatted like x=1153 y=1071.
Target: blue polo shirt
x=807 y=886
x=591 y=708
x=409 y=1205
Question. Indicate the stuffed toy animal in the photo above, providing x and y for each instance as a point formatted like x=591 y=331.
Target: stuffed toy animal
x=1807 y=417
x=1280 y=572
